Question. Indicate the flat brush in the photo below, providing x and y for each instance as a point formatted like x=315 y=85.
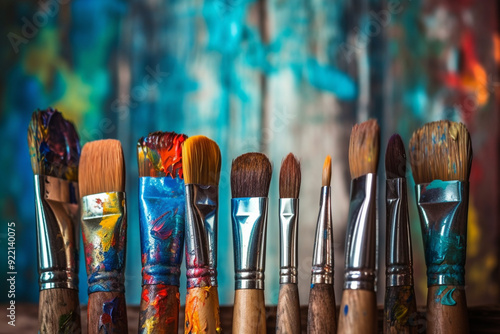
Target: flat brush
x=201 y=162
x=55 y=152
x=441 y=157
x=400 y=307
x=358 y=309
x=288 y=311
x=161 y=218
x=104 y=227
x=321 y=316
x=250 y=180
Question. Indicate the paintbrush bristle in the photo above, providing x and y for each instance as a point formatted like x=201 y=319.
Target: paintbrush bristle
x=327 y=172
x=201 y=161
x=102 y=168
x=251 y=175
x=290 y=177
x=53 y=145
x=364 y=148
x=395 y=158
x=441 y=151
x=160 y=154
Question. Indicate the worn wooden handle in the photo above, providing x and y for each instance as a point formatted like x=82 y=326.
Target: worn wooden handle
x=447 y=310
x=202 y=311
x=249 y=314
x=400 y=310
x=59 y=311
x=107 y=313
x=358 y=312
x=321 y=317
x=159 y=309
x=288 y=312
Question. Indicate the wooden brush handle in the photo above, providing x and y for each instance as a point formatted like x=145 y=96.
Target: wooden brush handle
x=107 y=313
x=321 y=317
x=202 y=311
x=288 y=312
x=249 y=314
x=59 y=311
x=159 y=309
x=400 y=310
x=442 y=318
x=358 y=312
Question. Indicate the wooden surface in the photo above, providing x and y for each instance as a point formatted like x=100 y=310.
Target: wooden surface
x=322 y=315
x=358 y=312
x=59 y=311
x=447 y=319
x=159 y=307
x=288 y=310
x=107 y=313
x=249 y=313
x=400 y=310
x=482 y=319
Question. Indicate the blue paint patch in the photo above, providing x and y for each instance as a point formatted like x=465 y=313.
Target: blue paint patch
x=346 y=309
x=437 y=184
x=331 y=79
x=448 y=298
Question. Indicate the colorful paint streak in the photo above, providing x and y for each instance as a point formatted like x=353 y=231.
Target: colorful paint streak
x=202 y=311
x=164 y=152
x=54 y=145
x=111 y=315
x=159 y=309
x=447 y=297
x=400 y=309
x=104 y=236
x=162 y=223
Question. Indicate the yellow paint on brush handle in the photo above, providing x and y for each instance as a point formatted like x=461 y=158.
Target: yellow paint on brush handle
x=202 y=311
x=358 y=312
x=249 y=314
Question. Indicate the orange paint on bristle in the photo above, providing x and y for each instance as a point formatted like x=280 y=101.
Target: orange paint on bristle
x=160 y=154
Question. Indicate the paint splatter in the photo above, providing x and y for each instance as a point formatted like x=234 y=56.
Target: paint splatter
x=346 y=310
x=164 y=151
x=447 y=298
x=195 y=299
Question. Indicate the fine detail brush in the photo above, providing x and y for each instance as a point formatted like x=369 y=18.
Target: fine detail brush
x=250 y=180
x=104 y=229
x=441 y=157
x=161 y=219
x=288 y=311
x=55 y=152
x=400 y=307
x=321 y=317
x=201 y=163
x=358 y=308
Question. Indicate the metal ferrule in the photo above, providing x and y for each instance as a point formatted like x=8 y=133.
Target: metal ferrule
x=161 y=218
x=398 y=255
x=323 y=265
x=57 y=232
x=289 y=224
x=201 y=235
x=361 y=238
x=249 y=218
x=104 y=227
x=443 y=209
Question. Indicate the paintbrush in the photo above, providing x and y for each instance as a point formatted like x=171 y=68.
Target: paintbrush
x=358 y=309
x=400 y=307
x=201 y=163
x=321 y=316
x=288 y=311
x=104 y=227
x=250 y=179
x=55 y=152
x=161 y=218
x=441 y=157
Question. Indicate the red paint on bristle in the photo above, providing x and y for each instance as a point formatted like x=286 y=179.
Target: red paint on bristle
x=168 y=145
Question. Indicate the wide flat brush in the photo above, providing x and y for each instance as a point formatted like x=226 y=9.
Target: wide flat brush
x=400 y=307
x=288 y=311
x=162 y=221
x=321 y=316
x=441 y=157
x=358 y=308
x=104 y=227
x=55 y=152
x=250 y=180
x=201 y=163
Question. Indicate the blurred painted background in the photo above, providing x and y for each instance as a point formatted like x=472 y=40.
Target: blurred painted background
x=271 y=76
